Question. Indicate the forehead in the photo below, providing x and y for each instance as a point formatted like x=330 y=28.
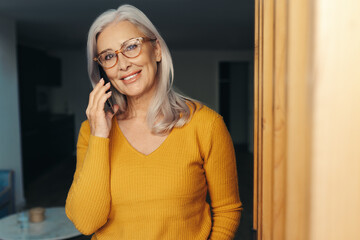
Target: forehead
x=115 y=34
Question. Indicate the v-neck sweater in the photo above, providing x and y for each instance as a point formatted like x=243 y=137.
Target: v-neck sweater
x=119 y=193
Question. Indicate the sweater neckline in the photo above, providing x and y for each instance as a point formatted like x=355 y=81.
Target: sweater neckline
x=137 y=151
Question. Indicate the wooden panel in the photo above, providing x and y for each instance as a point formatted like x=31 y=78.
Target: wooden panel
x=298 y=121
x=256 y=116
x=270 y=46
x=314 y=120
x=271 y=37
x=258 y=113
x=267 y=120
x=270 y=119
x=279 y=137
x=335 y=192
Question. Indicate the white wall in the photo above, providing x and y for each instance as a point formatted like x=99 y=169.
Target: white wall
x=197 y=72
x=196 y=75
x=10 y=148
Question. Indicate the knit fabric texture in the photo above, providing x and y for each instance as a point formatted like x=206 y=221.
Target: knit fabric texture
x=119 y=193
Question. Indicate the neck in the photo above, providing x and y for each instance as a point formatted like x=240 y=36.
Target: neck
x=138 y=106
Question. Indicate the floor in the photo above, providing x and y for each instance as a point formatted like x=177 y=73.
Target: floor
x=51 y=189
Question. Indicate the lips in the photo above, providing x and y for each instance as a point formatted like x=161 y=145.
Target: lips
x=130 y=76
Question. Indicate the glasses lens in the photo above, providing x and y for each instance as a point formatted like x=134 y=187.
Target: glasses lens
x=132 y=48
x=108 y=59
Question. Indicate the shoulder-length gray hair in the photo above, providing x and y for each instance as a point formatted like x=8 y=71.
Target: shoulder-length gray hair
x=168 y=108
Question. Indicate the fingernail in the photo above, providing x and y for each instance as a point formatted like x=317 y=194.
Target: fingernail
x=108 y=84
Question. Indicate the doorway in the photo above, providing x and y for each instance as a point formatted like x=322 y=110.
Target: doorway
x=236 y=87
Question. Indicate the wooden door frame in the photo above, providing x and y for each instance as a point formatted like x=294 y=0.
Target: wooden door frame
x=281 y=119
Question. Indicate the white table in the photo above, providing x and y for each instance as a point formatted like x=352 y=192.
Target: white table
x=55 y=226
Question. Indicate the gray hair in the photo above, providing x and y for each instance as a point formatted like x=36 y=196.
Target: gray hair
x=168 y=108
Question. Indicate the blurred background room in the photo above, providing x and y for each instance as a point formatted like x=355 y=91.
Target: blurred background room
x=44 y=86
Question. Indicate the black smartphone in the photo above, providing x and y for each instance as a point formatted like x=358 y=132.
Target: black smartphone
x=109 y=103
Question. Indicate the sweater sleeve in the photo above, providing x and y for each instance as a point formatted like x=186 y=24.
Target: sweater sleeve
x=88 y=200
x=221 y=176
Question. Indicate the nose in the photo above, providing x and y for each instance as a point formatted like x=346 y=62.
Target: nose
x=123 y=62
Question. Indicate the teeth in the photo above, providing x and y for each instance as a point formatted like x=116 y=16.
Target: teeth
x=129 y=77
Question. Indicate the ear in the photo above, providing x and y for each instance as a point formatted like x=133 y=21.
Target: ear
x=157 y=50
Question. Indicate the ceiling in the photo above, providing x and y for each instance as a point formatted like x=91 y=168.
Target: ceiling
x=184 y=24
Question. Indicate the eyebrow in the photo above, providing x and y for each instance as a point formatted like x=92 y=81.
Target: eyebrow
x=108 y=49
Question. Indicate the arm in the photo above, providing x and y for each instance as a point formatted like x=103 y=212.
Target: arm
x=88 y=200
x=221 y=176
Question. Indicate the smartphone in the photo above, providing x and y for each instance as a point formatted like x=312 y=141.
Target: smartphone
x=109 y=102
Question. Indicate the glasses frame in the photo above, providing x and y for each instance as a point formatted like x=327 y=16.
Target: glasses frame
x=141 y=39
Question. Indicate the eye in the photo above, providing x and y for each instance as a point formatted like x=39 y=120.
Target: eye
x=131 y=47
x=108 y=56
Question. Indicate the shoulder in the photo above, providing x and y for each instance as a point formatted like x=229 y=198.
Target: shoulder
x=205 y=115
x=209 y=129
x=203 y=119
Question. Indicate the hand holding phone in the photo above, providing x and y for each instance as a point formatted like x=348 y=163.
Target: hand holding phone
x=100 y=120
x=109 y=102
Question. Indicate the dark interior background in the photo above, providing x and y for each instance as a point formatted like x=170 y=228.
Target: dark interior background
x=212 y=47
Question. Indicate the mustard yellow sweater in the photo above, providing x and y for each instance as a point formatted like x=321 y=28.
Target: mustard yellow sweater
x=119 y=193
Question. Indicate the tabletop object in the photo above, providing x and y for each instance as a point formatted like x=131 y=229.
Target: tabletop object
x=37 y=214
x=55 y=226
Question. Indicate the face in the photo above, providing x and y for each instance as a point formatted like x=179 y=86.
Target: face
x=133 y=77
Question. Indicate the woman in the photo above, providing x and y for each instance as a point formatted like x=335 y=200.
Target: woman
x=143 y=170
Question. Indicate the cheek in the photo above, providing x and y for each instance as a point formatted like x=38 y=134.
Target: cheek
x=112 y=74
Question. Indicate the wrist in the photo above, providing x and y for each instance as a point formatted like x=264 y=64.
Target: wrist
x=102 y=135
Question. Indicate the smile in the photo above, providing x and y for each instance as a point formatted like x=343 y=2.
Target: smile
x=131 y=76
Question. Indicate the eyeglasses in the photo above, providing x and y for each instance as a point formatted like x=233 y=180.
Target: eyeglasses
x=130 y=49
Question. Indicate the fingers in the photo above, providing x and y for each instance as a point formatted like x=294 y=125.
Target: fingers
x=97 y=99
x=97 y=93
x=99 y=88
x=100 y=124
x=100 y=93
x=102 y=99
x=93 y=92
